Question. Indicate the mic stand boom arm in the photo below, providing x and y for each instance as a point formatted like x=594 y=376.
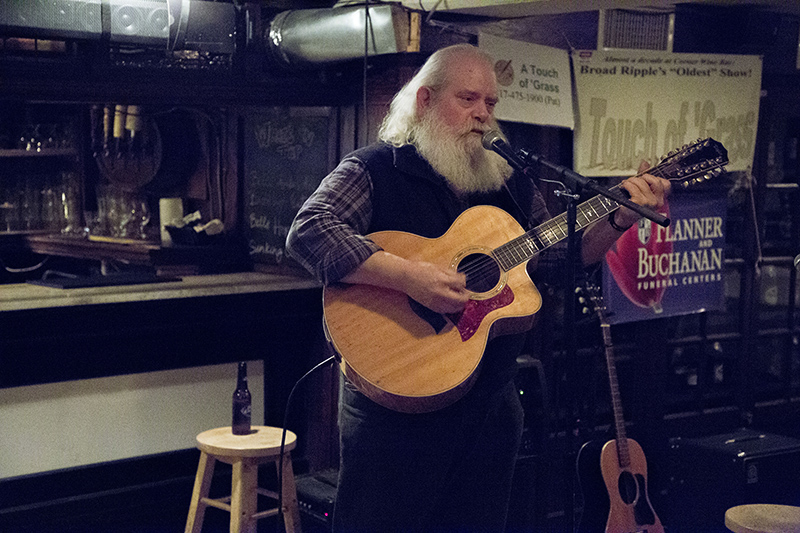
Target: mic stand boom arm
x=576 y=182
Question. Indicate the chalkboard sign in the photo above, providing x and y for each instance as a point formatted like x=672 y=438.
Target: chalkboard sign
x=287 y=152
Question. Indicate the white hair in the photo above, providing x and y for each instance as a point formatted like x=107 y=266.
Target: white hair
x=400 y=123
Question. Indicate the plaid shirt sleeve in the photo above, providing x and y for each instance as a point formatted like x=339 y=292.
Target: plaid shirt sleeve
x=327 y=235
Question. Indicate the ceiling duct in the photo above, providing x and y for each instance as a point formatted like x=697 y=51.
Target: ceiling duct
x=168 y=24
x=312 y=37
x=635 y=29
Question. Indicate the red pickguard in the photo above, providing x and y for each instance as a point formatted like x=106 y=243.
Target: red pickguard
x=469 y=320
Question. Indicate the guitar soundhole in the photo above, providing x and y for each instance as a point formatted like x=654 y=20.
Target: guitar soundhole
x=483 y=273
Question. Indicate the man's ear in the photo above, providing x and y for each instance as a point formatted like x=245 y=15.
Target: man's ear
x=424 y=96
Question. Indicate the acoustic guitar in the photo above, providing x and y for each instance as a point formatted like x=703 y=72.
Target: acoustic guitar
x=410 y=359
x=620 y=464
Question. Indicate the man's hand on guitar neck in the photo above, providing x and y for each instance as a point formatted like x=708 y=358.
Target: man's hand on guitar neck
x=439 y=289
x=646 y=190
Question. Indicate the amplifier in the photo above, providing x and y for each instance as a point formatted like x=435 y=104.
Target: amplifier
x=316 y=494
x=711 y=474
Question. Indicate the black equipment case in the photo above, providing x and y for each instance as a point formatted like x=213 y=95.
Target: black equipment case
x=711 y=474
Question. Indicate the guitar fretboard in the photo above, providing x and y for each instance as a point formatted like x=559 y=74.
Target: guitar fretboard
x=524 y=247
x=623 y=453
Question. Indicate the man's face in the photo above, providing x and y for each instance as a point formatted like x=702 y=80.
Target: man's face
x=453 y=118
x=465 y=104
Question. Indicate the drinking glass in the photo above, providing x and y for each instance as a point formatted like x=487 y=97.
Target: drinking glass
x=144 y=218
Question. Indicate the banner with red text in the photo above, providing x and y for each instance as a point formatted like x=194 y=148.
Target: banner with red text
x=655 y=272
x=635 y=105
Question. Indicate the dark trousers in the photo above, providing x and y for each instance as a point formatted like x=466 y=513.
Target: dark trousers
x=446 y=471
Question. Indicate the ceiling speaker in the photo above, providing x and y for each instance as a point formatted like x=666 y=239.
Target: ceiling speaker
x=135 y=21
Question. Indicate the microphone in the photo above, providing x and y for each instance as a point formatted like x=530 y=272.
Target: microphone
x=492 y=140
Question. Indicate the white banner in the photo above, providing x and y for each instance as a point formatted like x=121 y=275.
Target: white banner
x=534 y=82
x=639 y=104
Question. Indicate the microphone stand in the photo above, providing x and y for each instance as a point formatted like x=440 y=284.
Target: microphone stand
x=575 y=182
x=521 y=160
x=575 y=376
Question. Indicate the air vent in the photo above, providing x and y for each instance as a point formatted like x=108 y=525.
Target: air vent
x=642 y=30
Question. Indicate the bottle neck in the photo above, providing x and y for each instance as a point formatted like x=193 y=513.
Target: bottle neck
x=242 y=379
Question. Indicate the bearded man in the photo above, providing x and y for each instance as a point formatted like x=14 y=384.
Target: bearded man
x=450 y=469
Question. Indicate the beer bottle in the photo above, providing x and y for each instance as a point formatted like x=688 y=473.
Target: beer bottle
x=241 y=404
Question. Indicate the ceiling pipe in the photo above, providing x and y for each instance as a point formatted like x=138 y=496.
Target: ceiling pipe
x=314 y=37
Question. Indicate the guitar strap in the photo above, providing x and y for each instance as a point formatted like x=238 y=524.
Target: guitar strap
x=525 y=214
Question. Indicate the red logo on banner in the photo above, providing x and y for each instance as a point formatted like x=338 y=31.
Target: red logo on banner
x=643 y=284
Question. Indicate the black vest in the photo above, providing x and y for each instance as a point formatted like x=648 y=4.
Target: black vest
x=408 y=195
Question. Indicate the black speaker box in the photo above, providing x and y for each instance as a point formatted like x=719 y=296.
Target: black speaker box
x=711 y=474
x=527 y=509
x=316 y=495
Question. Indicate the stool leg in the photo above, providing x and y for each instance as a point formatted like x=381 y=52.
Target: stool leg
x=244 y=496
x=202 y=482
x=291 y=511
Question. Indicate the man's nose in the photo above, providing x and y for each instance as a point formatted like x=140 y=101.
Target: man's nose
x=482 y=112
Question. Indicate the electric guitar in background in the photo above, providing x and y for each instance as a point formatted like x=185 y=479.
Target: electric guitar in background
x=411 y=359
x=613 y=476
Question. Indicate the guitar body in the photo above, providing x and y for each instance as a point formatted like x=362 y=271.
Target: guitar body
x=409 y=359
x=631 y=510
x=624 y=506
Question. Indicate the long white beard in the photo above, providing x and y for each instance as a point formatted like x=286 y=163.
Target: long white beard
x=460 y=157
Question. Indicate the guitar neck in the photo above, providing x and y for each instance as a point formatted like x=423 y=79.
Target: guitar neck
x=524 y=247
x=623 y=452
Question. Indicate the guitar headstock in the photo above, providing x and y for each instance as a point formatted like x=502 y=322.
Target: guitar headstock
x=697 y=162
x=590 y=297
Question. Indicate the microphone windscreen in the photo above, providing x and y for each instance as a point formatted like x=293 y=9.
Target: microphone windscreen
x=489 y=138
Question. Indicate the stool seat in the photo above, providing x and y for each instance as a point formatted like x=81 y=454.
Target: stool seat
x=262 y=441
x=763 y=518
x=244 y=453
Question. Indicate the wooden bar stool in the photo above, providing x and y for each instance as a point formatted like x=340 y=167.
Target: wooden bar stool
x=244 y=453
x=763 y=518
